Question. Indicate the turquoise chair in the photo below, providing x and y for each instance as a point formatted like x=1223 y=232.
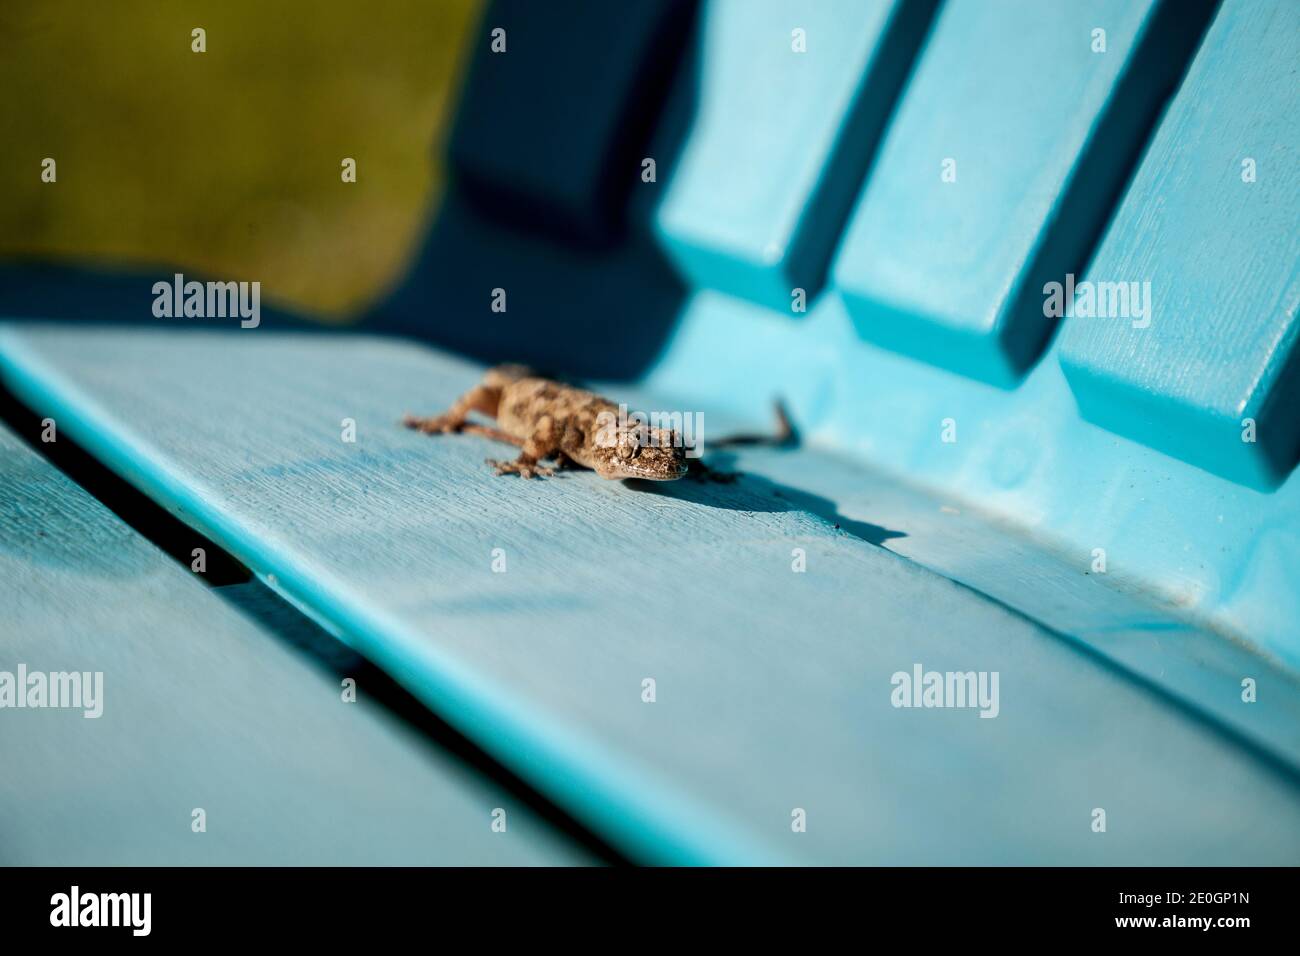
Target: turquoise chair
x=1023 y=274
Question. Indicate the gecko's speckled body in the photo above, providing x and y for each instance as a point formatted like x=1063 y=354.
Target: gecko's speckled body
x=548 y=419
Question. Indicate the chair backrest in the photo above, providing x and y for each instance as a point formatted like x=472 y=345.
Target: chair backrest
x=1039 y=257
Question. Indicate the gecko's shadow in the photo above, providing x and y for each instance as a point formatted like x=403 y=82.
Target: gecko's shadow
x=754 y=493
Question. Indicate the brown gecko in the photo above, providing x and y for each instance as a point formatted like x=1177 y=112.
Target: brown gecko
x=547 y=419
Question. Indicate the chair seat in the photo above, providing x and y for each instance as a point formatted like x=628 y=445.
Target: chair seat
x=200 y=708
x=775 y=690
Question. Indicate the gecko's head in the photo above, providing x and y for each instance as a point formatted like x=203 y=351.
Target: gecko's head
x=652 y=454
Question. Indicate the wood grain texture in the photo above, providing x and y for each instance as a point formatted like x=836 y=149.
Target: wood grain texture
x=201 y=708
x=782 y=138
x=773 y=688
x=1041 y=130
x=1222 y=256
x=1199 y=590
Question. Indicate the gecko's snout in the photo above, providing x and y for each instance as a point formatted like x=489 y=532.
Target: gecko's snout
x=670 y=470
x=651 y=455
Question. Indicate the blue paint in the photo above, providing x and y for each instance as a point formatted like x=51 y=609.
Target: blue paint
x=1199 y=546
x=763 y=705
x=999 y=170
x=973 y=553
x=201 y=707
x=1222 y=257
x=782 y=138
x=650 y=820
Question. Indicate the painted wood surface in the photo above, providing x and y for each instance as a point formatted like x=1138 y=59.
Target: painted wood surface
x=1005 y=158
x=792 y=100
x=1212 y=225
x=201 y=708
x=773 y=688
x=1189 y=545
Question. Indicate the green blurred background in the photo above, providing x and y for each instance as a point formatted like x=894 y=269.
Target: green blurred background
x=228 y=162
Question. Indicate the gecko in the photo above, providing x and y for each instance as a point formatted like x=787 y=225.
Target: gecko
x=550 y=420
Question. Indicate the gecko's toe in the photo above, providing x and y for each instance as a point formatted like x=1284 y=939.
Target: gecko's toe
x=522 y=469
x=438 y=425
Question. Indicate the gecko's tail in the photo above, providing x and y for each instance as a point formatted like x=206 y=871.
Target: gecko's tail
x=787 y=436
x=784 y=436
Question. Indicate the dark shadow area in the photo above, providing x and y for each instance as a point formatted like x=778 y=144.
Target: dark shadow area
x=559 y=109
x=587 y=293
x=720 y=487
x=579 y=312
x=233 y=582
x=1279 y=437
x=99 y=294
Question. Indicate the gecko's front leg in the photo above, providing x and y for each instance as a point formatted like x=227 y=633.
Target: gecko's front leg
x=544 y=442
x=480 y=398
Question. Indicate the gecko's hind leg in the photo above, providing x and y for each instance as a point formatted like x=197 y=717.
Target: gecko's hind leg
x=544 y=442
x=487 y=431
x=480 y=398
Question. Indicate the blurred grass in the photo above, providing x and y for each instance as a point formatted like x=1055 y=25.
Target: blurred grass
x=227 y=162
